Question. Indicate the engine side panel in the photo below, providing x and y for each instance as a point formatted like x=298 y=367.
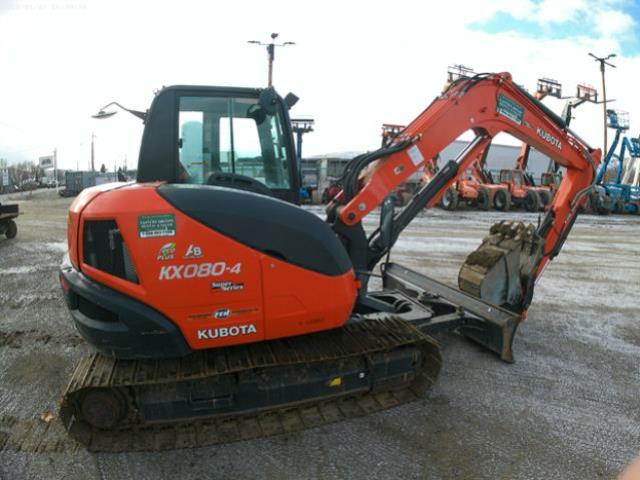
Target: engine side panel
x=217 y=290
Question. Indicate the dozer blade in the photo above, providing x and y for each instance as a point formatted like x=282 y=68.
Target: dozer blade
x=491 y=326
x=249 y=391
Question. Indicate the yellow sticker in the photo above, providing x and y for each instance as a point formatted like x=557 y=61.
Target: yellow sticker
x=335 y=382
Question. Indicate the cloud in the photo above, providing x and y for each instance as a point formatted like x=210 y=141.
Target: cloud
x=597 y=19
x=519 y=9
x=610 y=23
x=560 y=12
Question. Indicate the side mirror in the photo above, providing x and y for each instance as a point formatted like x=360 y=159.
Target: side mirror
x=290 y=100
x=387 y=212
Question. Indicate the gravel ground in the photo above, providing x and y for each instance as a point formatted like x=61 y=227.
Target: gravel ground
x=569 y=408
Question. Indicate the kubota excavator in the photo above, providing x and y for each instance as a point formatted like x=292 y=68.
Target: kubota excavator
x=220 y=312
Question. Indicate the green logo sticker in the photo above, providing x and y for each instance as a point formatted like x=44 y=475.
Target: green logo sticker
x=510 y=109
x=163 y=225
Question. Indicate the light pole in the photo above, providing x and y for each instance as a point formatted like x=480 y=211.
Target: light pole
x=55 y=167
x=603 y=62
x=300 y=126
x=271 y=49
x=93 y=137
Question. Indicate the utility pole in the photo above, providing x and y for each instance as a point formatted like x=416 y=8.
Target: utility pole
x=271 y=50
x=300 y=126
x=55 y=166
x=603 y=62
x=93 y=169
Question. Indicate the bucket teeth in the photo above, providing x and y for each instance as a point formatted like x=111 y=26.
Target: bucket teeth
x=502 y=267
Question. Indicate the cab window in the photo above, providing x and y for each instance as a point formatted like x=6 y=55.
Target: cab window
x=231 y=135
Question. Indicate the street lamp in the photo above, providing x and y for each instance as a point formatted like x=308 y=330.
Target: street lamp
x=93 y=156
x=271 y=49
x=603 y=62
x=104 y=114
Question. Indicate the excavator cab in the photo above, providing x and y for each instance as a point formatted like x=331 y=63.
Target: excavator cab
x=223 y=136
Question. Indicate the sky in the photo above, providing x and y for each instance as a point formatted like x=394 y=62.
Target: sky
x=355 y=65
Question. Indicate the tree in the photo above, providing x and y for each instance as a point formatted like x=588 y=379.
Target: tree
x=103 y=169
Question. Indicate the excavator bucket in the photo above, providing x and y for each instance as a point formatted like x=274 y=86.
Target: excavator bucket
x=504 y=263
x=502 y=268
x=491 y=281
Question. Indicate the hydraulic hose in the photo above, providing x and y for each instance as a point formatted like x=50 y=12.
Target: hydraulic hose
x=356 y=165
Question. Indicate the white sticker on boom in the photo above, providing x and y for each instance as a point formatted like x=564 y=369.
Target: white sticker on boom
x=415 y=155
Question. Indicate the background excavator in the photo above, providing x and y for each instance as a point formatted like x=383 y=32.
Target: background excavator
x=220 y=312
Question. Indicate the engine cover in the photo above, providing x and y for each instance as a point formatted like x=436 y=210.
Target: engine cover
x=224 y=266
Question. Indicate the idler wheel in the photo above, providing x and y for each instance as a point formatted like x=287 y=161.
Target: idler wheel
x=102 y=408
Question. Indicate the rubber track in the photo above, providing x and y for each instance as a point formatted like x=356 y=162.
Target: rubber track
x=356 y=339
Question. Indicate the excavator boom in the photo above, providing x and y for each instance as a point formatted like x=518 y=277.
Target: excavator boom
x=486 y=104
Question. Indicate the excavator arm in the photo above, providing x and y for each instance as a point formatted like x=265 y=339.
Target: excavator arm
x=485 y=104
x=525 y=149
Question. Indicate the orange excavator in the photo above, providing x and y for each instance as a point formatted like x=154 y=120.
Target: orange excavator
x=220 y=312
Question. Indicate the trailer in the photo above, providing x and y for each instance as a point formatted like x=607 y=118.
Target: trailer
x=8 y=226
x=75 y=182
